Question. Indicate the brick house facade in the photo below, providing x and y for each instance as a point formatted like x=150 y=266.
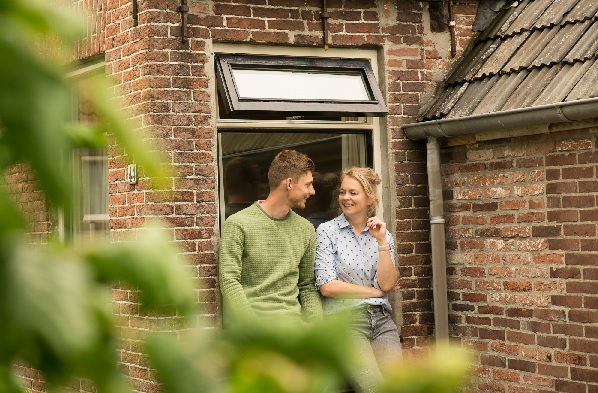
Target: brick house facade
x=515 y=125
x=168 y=81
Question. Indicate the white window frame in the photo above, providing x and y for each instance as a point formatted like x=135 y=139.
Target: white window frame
x=372 y=124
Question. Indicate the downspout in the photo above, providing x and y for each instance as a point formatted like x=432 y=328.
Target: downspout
x=437 y=239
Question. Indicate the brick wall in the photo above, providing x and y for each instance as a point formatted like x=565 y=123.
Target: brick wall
x=523 y=267
x=23 y=187
x=95 y=21
x=166 y=84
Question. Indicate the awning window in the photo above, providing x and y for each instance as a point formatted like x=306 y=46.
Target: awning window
x=293 y=86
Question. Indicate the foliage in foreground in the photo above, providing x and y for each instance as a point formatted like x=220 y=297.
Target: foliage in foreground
x=55 y=303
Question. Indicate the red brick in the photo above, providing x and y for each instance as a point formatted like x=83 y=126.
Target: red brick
x=521 y=337
x=522 y=365
x=561 y=188
x=579 y=201
x=562 y=215
x=569 y=387
x=561 y=159
x=581 y=287
x=581 y=345
x=581 y=259
x=584 y=374
x=553 y=370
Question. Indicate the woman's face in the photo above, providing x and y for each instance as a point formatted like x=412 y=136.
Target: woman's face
x=352 y=198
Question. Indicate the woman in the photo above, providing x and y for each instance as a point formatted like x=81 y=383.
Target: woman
x=355 y=271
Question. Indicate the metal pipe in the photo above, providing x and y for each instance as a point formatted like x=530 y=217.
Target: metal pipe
x=135 y=13
x=324 y=17
x=438 y=242
x=183 y=9
x=554 y=113
x=452 y=25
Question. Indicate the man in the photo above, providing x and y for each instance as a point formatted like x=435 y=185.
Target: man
x=267 y=251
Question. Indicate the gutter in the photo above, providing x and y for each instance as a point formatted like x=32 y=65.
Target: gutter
x=515 y=118
x=556 y=113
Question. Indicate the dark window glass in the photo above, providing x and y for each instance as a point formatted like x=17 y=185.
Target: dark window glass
x=246 y=157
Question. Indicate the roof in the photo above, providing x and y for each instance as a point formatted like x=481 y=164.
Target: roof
x=534 y=53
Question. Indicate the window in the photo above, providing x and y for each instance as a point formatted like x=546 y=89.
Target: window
x=91 y=209
x=246 y=157
x=318 y=106
x=90 y=216
x=297 y=86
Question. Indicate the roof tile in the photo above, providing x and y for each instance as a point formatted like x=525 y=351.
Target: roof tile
x=535 y=52
x=559 y=87
x=582 y=10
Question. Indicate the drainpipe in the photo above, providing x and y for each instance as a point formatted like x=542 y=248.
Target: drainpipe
x=437 y=238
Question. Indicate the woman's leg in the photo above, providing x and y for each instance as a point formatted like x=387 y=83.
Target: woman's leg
x=367 y=377
x=385 y=340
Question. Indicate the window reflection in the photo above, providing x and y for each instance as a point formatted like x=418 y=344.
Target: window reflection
x=298 y=85
x=246 y=157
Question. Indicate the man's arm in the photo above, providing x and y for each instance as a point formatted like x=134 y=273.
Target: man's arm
x=308 y=294
x=230 y=266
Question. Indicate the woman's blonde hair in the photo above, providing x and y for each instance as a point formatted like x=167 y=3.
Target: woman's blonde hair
x=369 y=180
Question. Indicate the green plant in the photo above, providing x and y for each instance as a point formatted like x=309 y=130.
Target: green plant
x=55 y=302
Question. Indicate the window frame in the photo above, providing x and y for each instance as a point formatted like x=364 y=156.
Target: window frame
x=71 y=224
x=374 y=125
x=237 y=105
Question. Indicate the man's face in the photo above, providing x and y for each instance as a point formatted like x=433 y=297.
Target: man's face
x=301 y=190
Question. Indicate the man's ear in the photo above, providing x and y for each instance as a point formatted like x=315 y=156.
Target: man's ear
x=288 y=183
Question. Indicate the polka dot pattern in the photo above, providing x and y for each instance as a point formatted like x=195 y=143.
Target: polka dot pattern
x=342 y=255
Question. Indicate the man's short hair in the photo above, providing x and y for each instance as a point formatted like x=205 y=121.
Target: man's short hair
x=289 y=163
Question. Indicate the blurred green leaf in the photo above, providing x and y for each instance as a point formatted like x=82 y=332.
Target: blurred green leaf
x=52 y=300
x=41 y=17
x=135 y=142
x=90 y=135
x=444 y=369
x=283 y=356
x=12 y=219
x=9 y=383
x=34 y=106
x=150 y=264
x=55 y=301
x=192 y=364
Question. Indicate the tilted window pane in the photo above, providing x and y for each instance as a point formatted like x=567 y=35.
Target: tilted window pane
x=266 y=86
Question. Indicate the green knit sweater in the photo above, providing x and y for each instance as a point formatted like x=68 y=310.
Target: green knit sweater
x=266 y=266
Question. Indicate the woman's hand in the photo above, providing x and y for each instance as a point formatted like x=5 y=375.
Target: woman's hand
x=377 y=228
